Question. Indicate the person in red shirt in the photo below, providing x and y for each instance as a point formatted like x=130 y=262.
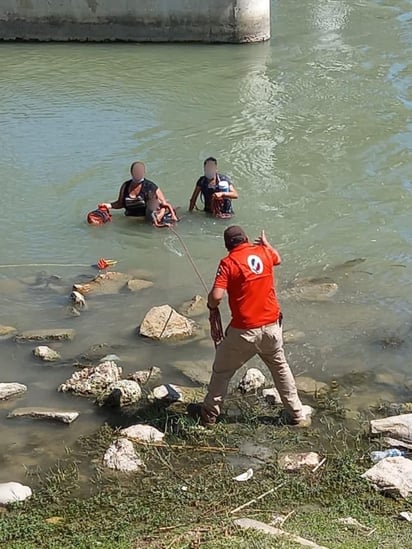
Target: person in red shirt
x=246 y=274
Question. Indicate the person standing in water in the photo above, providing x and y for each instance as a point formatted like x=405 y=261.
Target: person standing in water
x=216 y=189
x=246 y=274
x=139 y=196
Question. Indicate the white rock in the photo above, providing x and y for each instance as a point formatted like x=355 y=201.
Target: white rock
x=44 y=413
x=252 y=380
x=167 y=392
x=143 y=433
x=11 y=492
x=121 y=456
x=272 y=396
x=165 y=323
x=294 y=461
x=45 y=353
x=92 y=381
x=399 y=427
x=120 y=393
x=392 y=474
x=8 y=390
x=144 y=376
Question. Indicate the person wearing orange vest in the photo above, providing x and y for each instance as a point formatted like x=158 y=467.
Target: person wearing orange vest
x=246 y=274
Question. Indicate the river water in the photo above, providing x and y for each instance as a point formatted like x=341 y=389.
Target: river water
x=314 y=128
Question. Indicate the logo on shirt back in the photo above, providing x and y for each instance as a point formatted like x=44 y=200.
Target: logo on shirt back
x=255 y=264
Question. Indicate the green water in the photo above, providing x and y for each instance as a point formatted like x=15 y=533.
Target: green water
x=315 y=130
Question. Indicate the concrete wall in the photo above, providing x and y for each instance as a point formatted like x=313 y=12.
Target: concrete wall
x=136 y=20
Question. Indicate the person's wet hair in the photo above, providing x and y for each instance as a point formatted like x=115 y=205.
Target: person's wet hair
x=210 y=159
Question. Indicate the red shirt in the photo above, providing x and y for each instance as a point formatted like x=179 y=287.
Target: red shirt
x=247 y=275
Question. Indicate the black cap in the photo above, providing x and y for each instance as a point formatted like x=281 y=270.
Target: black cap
x=234 y=236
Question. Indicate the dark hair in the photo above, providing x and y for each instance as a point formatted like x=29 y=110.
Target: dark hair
x=135 y=163
x=210 y=159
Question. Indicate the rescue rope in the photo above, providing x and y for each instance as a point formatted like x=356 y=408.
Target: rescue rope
x=216 y=328
x=44 y=265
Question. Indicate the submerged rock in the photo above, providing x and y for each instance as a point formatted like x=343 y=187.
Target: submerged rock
x=165 y=323
x=312 y=289
x=45 y=353
x=92 y=381
x=293 y=336
x=103 y=284
x=198 y=371
x=143 y=433
x=393 y=475
x=310 y=386
x=294 y=461
x=194 y=307
x=144 y=376
x=252 y=380
x=121 y=393
x=121 y=456
x=7 y=331
x=10 y=492
x=9 y=390
x=46 y=335
x=399 y=427
x=137 y=284
x=44 y=413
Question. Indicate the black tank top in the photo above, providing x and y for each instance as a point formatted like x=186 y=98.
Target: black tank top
x=136 y=207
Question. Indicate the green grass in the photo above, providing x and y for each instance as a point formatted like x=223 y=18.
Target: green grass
x=99 y=509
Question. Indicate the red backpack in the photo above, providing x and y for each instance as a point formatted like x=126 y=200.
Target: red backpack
x=99 y=216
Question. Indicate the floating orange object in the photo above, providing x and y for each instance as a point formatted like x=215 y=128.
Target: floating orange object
x=105 y=263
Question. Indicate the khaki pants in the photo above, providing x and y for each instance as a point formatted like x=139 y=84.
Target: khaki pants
x=236 y=349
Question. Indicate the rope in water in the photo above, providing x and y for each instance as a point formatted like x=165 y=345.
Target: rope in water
x=44 y=265
x=216 y=328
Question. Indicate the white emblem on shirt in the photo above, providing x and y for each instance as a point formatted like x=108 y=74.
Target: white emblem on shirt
x=255 y=264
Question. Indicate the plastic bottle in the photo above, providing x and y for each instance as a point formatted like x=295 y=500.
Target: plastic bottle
x=392 y=452
x=223 y=186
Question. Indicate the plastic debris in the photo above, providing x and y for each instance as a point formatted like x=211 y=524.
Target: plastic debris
x=244 y=476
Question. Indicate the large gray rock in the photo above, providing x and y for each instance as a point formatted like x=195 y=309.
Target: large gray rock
x=6 y=331
x=312 y=289
x=9 y=390
x=142 y=433
x=45 y=414
x=398 y=427
x=121 y=393
x=50 y=334
x=393 y=474
x=310 y=386
x=165 y=323
x=252 y=380
x=10 y=492
x=45 y=353
x=103 y=284
x=92 y=381
x=194 y=307
x=121 y=456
